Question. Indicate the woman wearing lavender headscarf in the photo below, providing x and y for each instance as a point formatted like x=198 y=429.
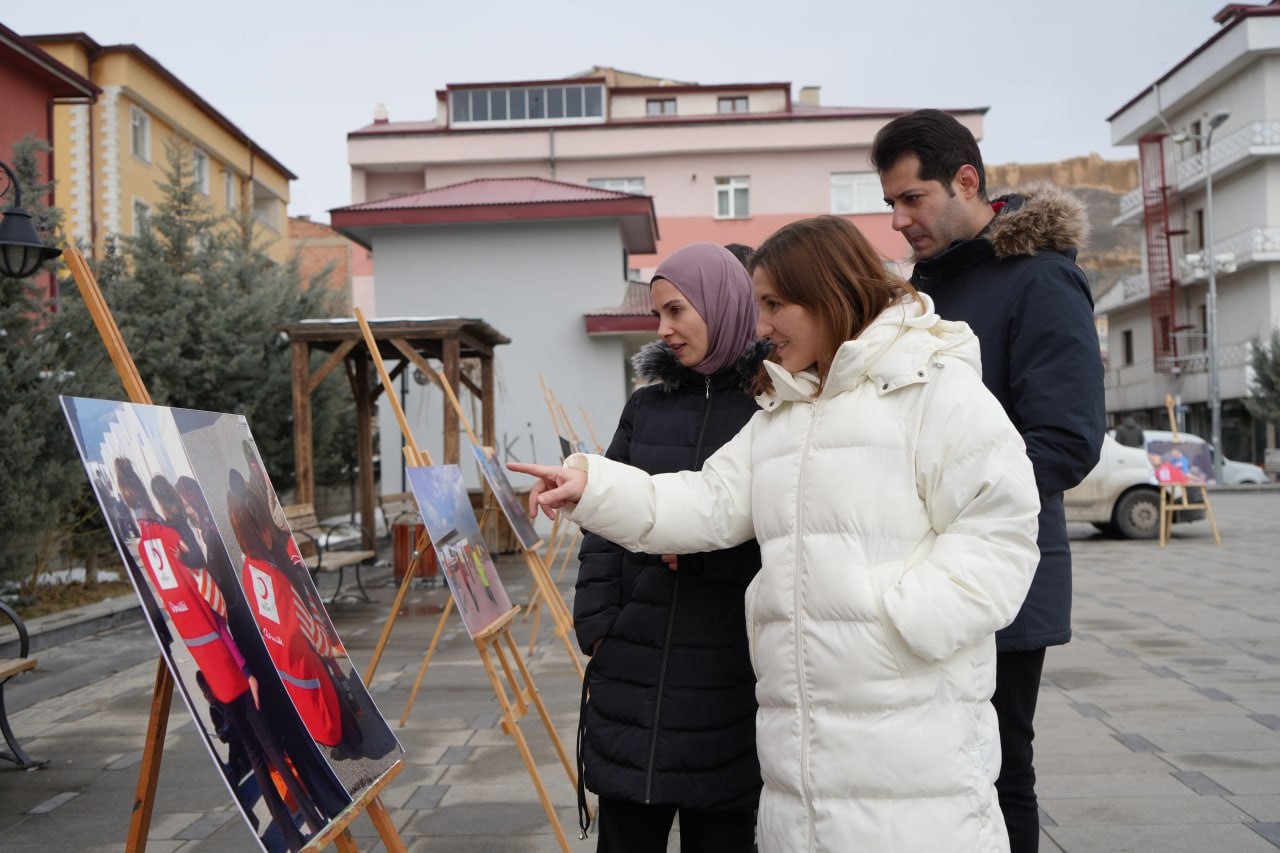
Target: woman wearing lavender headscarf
x=667 y=723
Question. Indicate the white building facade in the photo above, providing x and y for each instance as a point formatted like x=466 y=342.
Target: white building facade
x=1158 y=323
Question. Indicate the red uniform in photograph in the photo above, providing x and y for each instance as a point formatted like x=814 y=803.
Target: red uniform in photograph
x=295 y=638
x=195 y=607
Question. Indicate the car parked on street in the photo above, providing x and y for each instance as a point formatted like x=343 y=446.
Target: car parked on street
x=1121 y=495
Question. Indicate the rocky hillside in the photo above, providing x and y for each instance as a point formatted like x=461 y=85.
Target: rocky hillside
x=1112 y=253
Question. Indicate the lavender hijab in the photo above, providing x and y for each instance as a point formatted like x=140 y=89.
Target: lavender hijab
x=719 y=289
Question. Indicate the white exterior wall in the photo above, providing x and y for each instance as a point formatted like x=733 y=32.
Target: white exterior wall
x=1239 y=73
x=532 y=281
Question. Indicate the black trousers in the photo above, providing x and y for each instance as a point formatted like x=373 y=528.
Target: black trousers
x=625 y=827
x=1017 y=687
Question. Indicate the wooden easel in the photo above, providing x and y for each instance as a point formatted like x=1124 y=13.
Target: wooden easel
x=559 y=418
x=1174 y=497
x=149 y=771
x=541 y=577
x=490 y=642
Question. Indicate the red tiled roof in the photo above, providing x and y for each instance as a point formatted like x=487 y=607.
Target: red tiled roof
x=483 y=191
x=505 y=200
x=635 y=314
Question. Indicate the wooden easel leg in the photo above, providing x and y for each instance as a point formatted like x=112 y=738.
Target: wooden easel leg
x=1213 y=523
x=568 y=552
x=512 y=727
x=536 y=699
x=345 y=843
x=426 y=659
x=559 y=612
x=386 y=829
x=395 y=610
x=535 y=605
x=149 y=772
x=1165 y=520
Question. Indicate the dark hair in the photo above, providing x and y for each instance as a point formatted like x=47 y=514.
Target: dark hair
x=168 y=498
x=251 y=522
x=741 y=252
x=937 y=139
x=192 y=494
x=828 y=267
x=131 y=487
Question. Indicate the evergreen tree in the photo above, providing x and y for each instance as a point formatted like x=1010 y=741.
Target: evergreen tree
x=43 y=485
x=196 y=298
x=1264 y=389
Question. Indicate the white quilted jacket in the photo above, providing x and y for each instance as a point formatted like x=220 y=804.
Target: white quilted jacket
x=896 y=514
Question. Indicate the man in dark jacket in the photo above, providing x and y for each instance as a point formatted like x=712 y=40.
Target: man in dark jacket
x=1008 y=269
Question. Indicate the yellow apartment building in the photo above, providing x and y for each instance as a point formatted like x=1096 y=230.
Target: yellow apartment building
x=111 y=157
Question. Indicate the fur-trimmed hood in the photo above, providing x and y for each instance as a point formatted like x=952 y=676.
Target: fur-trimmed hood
x=657 y=363
x=1038 y=216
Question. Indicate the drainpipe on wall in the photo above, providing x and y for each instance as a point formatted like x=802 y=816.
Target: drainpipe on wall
x=551 y=160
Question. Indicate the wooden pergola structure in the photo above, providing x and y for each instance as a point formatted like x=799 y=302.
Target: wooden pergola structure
x=408 y=342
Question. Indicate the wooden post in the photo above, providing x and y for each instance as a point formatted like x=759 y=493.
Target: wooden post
x=305 y=479
x=452 y=368
x=364 y=448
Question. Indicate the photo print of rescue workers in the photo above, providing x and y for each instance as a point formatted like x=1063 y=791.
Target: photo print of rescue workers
x=460 y=547
x=292 y=763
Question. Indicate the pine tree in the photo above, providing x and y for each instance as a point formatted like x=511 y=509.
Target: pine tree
x=196 y=298
x=1264 y=390
x=43 y=481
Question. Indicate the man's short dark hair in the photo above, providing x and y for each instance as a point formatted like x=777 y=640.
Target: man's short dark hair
x=937 y=139
x=741 y=252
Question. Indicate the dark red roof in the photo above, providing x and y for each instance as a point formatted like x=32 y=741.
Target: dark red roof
x=66 y=82
x=635 y=314
x=505 y=200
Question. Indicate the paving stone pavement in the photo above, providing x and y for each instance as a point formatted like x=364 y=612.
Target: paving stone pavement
x=1159 y=724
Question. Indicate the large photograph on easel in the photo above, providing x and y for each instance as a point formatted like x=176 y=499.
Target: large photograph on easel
x=275 y=700
x=460 y=548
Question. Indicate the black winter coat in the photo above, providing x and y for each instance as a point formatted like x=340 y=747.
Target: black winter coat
x=1017 y=285
x=670 y=717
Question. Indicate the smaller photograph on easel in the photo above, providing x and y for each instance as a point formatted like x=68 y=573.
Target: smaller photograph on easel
x=460 y=548
x=512 y=506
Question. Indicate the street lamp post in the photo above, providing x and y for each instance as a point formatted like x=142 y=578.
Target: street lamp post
x=1211 y=301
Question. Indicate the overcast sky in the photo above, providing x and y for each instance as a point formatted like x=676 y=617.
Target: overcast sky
x=298 y=76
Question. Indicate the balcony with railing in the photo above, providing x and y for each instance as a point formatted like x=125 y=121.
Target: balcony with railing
x=1256 y=139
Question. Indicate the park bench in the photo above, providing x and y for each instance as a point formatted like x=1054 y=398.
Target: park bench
x=9 y=667
x=325 y=548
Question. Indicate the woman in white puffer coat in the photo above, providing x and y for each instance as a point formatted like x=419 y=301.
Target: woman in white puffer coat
x=895 y=509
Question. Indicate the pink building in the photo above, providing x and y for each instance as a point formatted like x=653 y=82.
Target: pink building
x=725 y=164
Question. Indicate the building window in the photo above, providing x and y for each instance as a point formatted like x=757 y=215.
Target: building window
x=231 y=190
x=732 y=198
x=140 y=134
x=621 y=185
x=141 y=217
x=1127 y=338
x=526 y=104
x=660 y=107
x=200 y=170
x=857 y=192
x=732 y=105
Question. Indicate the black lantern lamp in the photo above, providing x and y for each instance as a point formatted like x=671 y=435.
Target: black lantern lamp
x=21 y=249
